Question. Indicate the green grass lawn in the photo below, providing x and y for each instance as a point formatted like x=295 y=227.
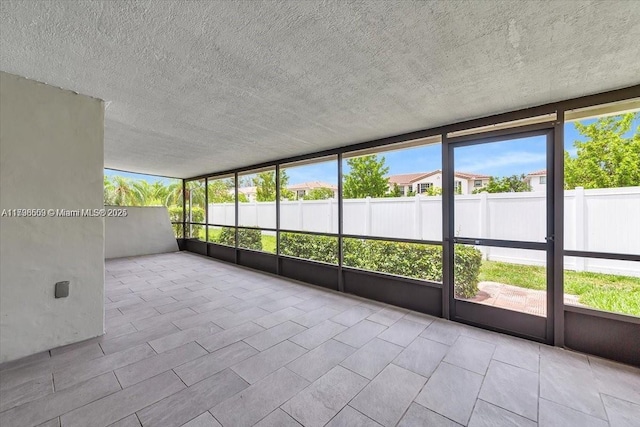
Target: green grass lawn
x=620 y=294
x=268 y=242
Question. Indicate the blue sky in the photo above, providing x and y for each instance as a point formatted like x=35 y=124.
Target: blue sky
x=495 y=159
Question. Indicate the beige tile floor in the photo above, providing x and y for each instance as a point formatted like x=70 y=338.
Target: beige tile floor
x=196 y=342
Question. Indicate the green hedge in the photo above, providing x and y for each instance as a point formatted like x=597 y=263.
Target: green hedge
x=197 y=215
x=402 y=259
x=308 y=246
x=247 y=238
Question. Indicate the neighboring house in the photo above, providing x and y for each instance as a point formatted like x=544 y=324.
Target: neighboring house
x=250 y=192
x=537 y=180
x=420 y=182
x=301 y=190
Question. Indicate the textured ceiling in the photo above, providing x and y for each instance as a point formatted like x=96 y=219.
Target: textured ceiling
x=195 y=87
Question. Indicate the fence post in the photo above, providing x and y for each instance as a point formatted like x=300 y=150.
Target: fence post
x=483 y=219
x=418 y=218
x=367 y=216
x=330 y=201
x=581 y=234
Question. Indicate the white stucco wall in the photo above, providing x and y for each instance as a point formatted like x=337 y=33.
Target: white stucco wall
x=145 y=230
x=51 y=157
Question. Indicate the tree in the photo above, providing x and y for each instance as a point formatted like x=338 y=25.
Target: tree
x=125 y=193
x=220 y=191
x=506 y=184
x=366 y=178
x=395 y=192
x=320 y=193
x=265 y=183
x=606 y=159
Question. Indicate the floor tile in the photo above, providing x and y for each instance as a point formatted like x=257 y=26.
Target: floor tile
x=451 y=391
x=442 y=331
x=566 y=378
x=349 y=417
x=256 y=402
x=205 y=366
x=422 y=356
x=26 y=392
x=511 y=388
x=92 y=368
x=229 y=336
x=321 y=359
x=203 y=420
x=621 y=413
x=418 y=416
x=488 y=415
x=389 y=395
x=403 y=332
x=316 y=335
x=264 y=363
x=323 y=399
x=274 y=335
x=316 y=316
x=372 y=358
x=130 y=421
x=353 y=315
x=423 y=319
x=130 y=340
x=187 y=404
x=149 y=322
x=278 y=317
x=119 y=405
x=236 y=319
x=154 y=365
x=202 y=318
x=520 y=353
x=278 y=418
x=360 y=333
x=471 y=354
x=554 y=415
x=388 y=316
x=614 y=379
x=60 y=402
x=177 y=339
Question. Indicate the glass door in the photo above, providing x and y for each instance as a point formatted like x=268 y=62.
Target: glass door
x=501 y=232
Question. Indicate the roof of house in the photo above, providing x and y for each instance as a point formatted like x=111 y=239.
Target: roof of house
x=408 y=178
x=311 y=185
x=541 y=172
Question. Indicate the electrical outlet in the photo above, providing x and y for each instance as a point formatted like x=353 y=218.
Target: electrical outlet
x=62 y=289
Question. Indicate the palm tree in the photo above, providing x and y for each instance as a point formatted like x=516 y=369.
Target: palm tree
x=109 y=196
x=126 y=193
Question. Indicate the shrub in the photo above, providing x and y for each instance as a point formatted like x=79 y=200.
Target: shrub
x=316 y=248
x=197 y=215
x=247 y=238
x=403 y=259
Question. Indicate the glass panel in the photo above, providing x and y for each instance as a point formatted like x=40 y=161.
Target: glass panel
x=602 y=284
x=394 y=193
x=511 y=203
x=258 y=240
x=310 y=246
x=222 y=208
x=195 y=200
x=513 y=279
x=309 y=197
x=177 y=230
x=222 y=235
x=602 y=183
x=257 y=198
x=418 y=261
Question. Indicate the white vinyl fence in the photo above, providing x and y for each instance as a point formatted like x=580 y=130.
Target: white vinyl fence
x=601 y=220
